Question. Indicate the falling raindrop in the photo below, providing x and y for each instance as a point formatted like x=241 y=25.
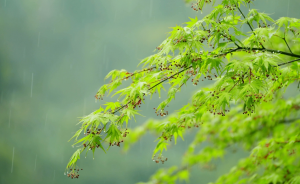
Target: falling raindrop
x=31 y=85
x=65 y=173
x=71 y=66
x=24 y=77
x=288 y=8
x=12 y=163
x=39 y=39
x=54 y=176
x=35 y=163
x=106 y=67
x=24 y=52
x=62 y=158
x=115 y=18
x=242 y=31
x=12 y=98
x=1 y=96
x=5 y=3
x=46 y=119
x=136 y=50
x=104 y=54
x=9 y=118
x=141 y=145
x=150 y=11
x=84 y=106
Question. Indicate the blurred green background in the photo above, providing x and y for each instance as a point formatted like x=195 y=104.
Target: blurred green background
x=54 y=55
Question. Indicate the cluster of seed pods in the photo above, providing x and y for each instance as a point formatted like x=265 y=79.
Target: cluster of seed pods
x=158 y=159
x=137 y=103
x=196 y=6
x=161 y=113
x=230 y=7
x=196 y=125
x=94 y=132
x=98 y=97
x=73 y=173
x=177 y=41
x=118 y=143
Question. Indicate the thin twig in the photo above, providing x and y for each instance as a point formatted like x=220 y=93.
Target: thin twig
x=183 y=83
x=249 y=25
x=234 y=85
x=170 y=77
x=235 y=43
x=243 y=76
x=153 y=87
x=231 y=51
x=288 y=62
x=287 y=45
x=245 y=18
x=203 y=27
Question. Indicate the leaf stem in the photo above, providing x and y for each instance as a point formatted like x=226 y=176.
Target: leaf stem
x=250 y=76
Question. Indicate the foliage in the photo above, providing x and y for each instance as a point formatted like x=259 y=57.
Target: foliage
x=251 y=70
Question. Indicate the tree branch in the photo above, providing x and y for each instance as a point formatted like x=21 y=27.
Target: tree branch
x=270 y=50
x=231 y=51
x=260 y=49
